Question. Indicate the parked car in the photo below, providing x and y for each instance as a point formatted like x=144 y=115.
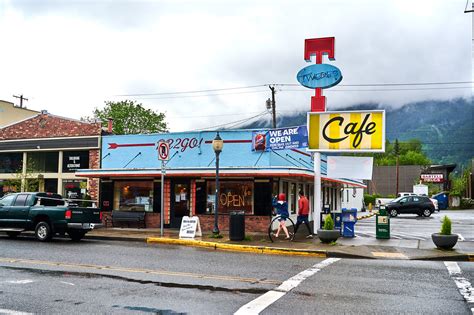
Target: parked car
x=46 y=214
x=419 y=205
x=433 y=200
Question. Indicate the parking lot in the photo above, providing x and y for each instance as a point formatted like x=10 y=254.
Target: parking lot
x=413 y=227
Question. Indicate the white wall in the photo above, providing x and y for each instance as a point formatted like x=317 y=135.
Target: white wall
x=352 y=198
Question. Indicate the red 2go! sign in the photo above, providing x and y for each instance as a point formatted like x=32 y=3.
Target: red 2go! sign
x=182 y=144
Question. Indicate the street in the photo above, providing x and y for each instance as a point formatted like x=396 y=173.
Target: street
x=96 y=276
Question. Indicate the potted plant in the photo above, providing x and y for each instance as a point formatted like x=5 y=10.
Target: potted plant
x=328 y=234
x=444 y=239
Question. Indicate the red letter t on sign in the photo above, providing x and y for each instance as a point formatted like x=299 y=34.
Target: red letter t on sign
x=319 y=47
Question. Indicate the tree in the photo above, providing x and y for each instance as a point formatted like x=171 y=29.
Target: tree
x=130 y=117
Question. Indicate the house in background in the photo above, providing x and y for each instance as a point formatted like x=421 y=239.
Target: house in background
x=9 y=113
x=42 y=153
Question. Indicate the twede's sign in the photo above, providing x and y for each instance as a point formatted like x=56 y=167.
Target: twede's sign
x=280 y=139
x=352 y=131
x=319 y=76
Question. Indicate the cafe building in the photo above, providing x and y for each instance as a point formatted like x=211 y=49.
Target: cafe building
x=130 y=178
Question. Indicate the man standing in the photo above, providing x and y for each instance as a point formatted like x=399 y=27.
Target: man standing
x=303 y=212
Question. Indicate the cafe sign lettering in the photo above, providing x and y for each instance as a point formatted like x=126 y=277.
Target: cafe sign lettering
x=351 y=131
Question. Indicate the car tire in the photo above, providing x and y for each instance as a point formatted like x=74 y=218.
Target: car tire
x=393 y=212
x=13 y=234
x=43 y=232
x=426 y=212
x=76 y=236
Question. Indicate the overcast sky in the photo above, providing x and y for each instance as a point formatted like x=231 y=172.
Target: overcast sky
x=68 y=57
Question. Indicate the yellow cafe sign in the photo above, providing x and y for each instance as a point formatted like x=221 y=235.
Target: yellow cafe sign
x=352 y=131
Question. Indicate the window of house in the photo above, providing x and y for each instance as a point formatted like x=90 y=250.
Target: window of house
x=45 y=162
x=233 y=196
x=133 y=195
x=74 y=160
x=11 y=162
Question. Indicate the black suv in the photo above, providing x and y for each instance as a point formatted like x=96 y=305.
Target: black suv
x=419 y=205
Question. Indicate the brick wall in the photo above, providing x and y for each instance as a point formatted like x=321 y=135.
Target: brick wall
x=94 y=163
x=252 y=223
x=167 y=205
x=152 y=220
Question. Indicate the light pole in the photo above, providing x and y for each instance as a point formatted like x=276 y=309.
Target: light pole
x=217 y=145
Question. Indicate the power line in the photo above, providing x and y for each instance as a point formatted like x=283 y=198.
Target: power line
x=192 y=96
x=237 y=122
x=196 y=91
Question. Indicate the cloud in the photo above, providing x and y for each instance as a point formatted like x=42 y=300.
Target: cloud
x=69 y=57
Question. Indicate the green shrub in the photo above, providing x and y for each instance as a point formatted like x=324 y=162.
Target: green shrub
x=446 y=226
x=466 y=203
x=328 y=223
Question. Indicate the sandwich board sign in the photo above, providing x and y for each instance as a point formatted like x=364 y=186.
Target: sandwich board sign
x=190 y=227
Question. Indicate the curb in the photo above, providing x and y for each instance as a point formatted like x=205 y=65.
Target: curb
x=366 y=216
x=240 y=248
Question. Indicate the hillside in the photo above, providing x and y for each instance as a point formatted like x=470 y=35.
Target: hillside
x=446 y=128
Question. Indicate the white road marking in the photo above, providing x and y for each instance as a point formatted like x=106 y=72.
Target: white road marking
x=464 y=286
x=67 y=282
x=265 y=300
x=12 y=312
x=461 y=238
x=26 y=281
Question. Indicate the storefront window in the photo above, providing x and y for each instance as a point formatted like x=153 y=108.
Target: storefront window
x=75 y=189
x=46 y=162
x=133 y=195
x=233 y=196
x=74 y=160
x=11 y=162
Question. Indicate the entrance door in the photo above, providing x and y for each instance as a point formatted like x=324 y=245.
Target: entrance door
x=179 y=202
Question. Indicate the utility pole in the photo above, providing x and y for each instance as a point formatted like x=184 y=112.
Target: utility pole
x=396 y=149
x=272 y=88
x=21 y=99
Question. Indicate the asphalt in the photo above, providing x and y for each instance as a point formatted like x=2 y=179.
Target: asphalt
x=357 y=247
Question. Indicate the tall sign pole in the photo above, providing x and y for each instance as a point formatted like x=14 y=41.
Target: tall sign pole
x=163 y=155
x=310 y=77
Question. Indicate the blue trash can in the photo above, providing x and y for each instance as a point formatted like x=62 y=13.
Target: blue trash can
x=442 y=198
x=349 y=219
x=337 y=220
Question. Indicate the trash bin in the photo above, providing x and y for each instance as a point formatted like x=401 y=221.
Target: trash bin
x=442 y=200
x=237 y=226
x=349 y=219
x=382 y=224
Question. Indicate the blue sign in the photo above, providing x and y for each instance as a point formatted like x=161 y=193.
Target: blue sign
x=280 y=139
x=319 y=76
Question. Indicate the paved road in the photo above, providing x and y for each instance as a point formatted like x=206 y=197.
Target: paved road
x=412 y=227
x=125 y=277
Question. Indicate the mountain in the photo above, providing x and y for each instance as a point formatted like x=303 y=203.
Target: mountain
x=446 y=128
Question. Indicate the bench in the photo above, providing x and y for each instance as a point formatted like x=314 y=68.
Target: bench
x=128 y=217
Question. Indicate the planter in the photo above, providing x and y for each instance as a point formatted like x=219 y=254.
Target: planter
x=328 y=236
x=444 y=241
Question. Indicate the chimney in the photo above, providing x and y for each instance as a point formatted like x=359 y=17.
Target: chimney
x=110 y=124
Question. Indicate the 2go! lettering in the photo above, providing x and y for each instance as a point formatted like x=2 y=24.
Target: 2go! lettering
x=182 y=144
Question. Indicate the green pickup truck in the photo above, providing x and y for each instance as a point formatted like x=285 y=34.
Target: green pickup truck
x=46 y=214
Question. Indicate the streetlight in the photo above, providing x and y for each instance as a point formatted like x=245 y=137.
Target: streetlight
x=217 y=145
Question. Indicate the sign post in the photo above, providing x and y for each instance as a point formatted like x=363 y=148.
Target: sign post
x=318 y=77
x=163 y=155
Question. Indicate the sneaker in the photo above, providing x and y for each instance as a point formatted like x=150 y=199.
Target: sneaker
x=309 y=236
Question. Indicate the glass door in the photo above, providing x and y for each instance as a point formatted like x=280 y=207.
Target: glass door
x=179 y=202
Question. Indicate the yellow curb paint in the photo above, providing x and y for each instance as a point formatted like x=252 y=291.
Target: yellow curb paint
x=389 y=255
x=240 y=248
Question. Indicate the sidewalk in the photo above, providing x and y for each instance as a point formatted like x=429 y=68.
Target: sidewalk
x=358 y=247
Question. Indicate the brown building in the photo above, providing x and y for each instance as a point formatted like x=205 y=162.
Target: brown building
x=9 y=113
x=42 y=153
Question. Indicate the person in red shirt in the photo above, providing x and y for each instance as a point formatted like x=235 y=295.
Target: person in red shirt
x=303 y=212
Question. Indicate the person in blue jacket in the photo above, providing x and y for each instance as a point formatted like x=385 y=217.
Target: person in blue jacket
x=281 y=207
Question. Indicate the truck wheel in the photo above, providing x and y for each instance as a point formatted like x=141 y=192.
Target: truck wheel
x=76 y=236
x=43 y=232
x=13 y=234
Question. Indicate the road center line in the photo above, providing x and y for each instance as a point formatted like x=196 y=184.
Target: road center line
x=138 y=270
x=464 y=286
x=263 y=301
